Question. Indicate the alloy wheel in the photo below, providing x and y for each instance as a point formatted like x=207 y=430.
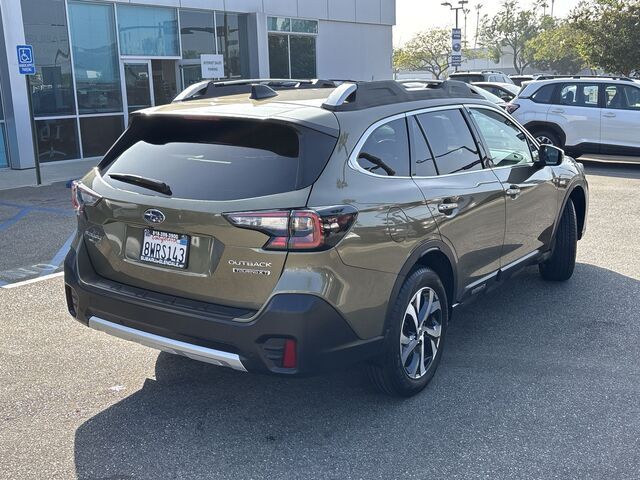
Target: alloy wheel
x=420 y=333
x=544 y=140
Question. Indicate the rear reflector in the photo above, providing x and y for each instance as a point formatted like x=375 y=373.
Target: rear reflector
x=289 y=358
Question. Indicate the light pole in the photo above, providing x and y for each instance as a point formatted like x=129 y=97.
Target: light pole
x=552 y=2
x=478 y=7
x=461 y=4
x=466 y=12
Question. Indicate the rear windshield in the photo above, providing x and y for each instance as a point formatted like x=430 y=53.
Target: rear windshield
x=467 y=78
x=216 y=158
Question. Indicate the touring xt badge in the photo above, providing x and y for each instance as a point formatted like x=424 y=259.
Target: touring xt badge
x=252 y=268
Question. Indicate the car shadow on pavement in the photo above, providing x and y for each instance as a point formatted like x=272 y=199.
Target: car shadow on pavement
x=520 y=355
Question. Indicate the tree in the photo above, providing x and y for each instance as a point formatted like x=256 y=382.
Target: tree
x=428 y=51
x=558 y=49
x=511 y=29
x=611 y=34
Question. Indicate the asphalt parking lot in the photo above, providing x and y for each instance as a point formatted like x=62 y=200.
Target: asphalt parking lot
x=538 y=381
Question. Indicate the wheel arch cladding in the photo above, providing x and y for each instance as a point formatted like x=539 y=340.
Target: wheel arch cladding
x=578 y=198
x=437 y=261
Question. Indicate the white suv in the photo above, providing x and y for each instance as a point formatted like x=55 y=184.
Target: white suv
x=582 y=114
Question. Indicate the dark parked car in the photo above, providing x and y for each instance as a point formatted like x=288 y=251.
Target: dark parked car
x=308 y=229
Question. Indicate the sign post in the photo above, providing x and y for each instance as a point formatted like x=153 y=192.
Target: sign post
x=456 y=48
x=26 y=67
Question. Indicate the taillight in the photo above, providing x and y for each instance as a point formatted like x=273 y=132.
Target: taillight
x=512 y=107
x=82 y=196
x=299 y=230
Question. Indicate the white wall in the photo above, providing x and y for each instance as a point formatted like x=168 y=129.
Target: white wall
x=354 y=51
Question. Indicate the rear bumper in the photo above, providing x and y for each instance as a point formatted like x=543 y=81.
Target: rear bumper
x=216 y=334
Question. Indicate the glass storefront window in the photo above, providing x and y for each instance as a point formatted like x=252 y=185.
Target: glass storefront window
x=279 y=24
x=191 y=74
x=95 y=57
x=99 y=133
x=279 y=56
x=148 y=31
x=233 y=44
x=197 y=32
x=4 y=156
x=304 y=26
x=57 y=139
x=303 y=56
x=45 y=27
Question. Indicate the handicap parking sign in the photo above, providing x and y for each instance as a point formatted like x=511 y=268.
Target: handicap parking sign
x=26 y=62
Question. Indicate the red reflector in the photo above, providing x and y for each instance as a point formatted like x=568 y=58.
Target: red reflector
x=289 y=359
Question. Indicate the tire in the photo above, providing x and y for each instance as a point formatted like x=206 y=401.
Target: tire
x=559 y=267
x=549 y=137
x=389 y=373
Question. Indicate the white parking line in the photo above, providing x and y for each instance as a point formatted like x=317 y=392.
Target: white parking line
x=33 y=280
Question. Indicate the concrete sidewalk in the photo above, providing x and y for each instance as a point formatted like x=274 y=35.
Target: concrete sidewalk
x=51 y=173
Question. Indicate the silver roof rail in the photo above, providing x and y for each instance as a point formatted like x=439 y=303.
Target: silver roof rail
x=340 y=94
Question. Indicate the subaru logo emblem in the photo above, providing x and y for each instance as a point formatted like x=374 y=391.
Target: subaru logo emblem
x=153 y=216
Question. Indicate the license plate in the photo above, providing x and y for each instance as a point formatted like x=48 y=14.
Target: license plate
x=165 y=248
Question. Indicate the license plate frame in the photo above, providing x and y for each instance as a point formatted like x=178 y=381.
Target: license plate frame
x=158 y=239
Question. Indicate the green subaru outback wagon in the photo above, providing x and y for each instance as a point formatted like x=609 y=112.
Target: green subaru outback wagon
x=305 y=229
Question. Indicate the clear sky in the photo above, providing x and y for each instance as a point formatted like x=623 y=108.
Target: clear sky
x=413 y=16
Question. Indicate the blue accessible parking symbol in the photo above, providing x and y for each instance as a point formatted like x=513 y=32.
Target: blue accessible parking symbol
x=26 y=62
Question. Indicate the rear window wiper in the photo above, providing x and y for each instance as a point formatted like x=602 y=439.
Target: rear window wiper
x=149 y=183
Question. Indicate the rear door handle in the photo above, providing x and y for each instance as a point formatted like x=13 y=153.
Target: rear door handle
x=609 y=115
x=557 y=110
x=513 y=191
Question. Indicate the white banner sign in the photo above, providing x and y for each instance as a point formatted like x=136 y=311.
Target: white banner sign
x=212 y=66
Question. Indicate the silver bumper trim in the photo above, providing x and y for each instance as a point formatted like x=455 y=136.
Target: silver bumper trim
x=196 y=352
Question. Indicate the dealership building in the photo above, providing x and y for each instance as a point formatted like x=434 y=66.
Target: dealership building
x=98 y=61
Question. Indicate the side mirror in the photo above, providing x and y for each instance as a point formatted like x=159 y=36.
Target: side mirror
x=550 y=155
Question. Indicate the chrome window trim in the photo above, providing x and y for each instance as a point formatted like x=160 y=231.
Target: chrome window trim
x=353 y=158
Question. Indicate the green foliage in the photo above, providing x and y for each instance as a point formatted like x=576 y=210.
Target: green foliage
x=558 y=49
x=429 y=51
x=511 y=29
x=610 y=34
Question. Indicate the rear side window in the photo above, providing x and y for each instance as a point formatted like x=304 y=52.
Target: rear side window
x=421 y=158
x=579 y=95
x=386 y=151
x=451 y=141
x=622 y=97
x=218 y=159
x=543 y=94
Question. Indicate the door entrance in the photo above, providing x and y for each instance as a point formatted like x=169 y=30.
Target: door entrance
x=165 y=85
x=138 y=85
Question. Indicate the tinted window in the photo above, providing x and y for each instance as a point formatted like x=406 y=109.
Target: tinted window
x=95 y=57
x=467 y=78
x=99 y=133
x=421 y=158
x=579 y=95
x=386 y=151
x=508 y=145
x=451 y=142
x=148 y=31
x=622 y=97
x=543 y=94
x=57 y=139
x=219 y=159
x=45 y=27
